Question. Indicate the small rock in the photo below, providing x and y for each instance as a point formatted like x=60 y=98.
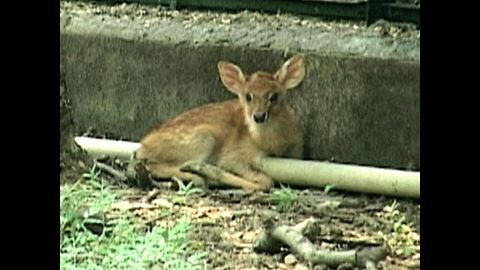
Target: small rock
x=249 y=237
x=345 y=266
x=369 y=265
x=81 y=164
x=290 y=259
x=320 y=267
x=157 y=267
x=300 y=266
x=162 y=202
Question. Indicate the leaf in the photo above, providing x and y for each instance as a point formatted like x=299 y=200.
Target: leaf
x=328 y=188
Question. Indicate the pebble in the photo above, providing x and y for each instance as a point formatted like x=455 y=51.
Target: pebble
x=300 y=266
x=290 y=259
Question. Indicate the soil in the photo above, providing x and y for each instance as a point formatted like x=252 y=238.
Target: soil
x=226 y=222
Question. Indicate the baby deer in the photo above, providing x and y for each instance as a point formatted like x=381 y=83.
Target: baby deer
x=233 y=135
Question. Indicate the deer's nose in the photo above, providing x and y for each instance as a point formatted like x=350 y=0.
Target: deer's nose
x=259 y=117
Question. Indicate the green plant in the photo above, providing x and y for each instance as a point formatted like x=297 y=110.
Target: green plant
x=127 y=246
x=187 y=190
x=328 y=188
x=78 y=202
x=82 y=200
x=93 y=174
x=402 y=239
x=184 y=192
x=123 y=243
x=284 y=198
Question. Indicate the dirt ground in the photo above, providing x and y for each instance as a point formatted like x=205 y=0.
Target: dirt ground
x=227 y=222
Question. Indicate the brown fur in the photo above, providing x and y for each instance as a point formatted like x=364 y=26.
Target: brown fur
x=225 y=134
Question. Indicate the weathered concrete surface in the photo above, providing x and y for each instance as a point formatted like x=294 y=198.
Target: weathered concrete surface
x=282 y=32
x=354 y=109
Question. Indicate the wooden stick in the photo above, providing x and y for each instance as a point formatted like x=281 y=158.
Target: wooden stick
x=293 y=236
x=112 y=171
x=299 y=172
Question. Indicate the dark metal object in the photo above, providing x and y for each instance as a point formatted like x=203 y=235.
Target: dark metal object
x=401 y=13
x=374 y=11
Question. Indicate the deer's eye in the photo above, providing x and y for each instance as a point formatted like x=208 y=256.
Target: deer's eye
x=249 y=97
x=273 y=97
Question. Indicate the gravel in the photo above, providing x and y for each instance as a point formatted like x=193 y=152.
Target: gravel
x=284 y=32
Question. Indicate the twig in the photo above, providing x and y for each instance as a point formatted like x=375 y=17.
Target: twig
x=350 y=241
x=112 y=171
x=293 y=236
x=231 y=195
x=151 y=195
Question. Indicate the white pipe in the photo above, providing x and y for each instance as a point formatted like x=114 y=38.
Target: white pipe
x=98 y=147
x=298 y=172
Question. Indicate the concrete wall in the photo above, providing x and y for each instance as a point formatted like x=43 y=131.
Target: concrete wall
x=354 y=110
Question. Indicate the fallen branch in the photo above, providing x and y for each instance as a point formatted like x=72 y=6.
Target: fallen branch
x=297 y=172
x=294 y=237
x=231 y=195
x=350 y=241
x=112 y=171
x=151 y=195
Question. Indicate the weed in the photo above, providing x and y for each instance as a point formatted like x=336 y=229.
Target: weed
x=403 y=240
x=93 y=174
x=187 y=190
x=184 y=192
x=328 y=188
x=123 y=243
x=284 y=198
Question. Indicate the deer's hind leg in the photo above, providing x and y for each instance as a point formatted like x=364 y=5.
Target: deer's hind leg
x=167 y=171
x=163 y=157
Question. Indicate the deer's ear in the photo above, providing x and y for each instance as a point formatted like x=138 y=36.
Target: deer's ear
x=232 y=77
x=291 y=73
